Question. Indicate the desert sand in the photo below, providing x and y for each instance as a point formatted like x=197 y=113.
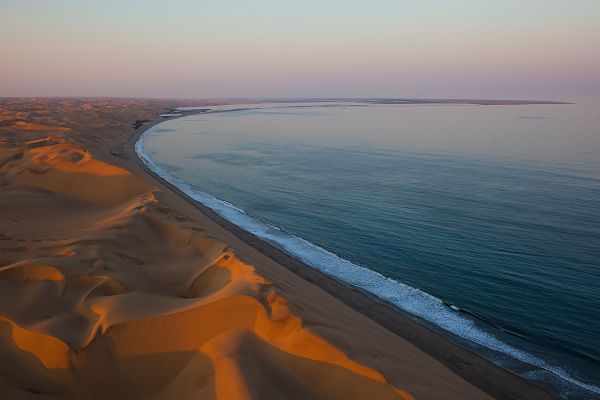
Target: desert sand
x=114 y=286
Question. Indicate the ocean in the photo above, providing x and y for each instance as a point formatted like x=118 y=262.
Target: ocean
x=481 y=221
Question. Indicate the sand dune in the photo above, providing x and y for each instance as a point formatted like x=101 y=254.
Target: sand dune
x=59 y=167
x=107 y=291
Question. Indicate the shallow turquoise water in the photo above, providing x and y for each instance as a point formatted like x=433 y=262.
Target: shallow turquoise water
x=492 y=209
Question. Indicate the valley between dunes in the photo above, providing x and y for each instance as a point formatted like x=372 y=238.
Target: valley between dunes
x=114 y=287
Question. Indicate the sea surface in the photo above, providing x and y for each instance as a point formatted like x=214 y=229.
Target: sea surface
x=481 y=221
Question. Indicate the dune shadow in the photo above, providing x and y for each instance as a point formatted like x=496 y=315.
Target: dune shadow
x=98 y=372
x=170 y=375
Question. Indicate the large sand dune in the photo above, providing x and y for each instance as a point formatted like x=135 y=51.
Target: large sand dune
x=111 y=289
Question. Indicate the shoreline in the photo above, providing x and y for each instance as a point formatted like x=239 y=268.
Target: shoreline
x=474 y=368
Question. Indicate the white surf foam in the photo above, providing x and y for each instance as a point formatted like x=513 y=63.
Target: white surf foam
x=407 y=298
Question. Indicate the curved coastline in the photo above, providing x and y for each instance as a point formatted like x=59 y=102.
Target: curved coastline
x=371 y=284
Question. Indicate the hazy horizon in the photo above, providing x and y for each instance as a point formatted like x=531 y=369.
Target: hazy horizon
x=546 y=50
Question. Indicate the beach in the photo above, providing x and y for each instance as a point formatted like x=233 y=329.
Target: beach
x=115 y=284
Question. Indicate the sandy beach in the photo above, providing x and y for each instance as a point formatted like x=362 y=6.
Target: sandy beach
x=114 y=284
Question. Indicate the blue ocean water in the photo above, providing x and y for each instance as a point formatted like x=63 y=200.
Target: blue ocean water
x=481 y=220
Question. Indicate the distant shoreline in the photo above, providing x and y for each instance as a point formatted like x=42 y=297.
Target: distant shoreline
x=241 y=100
x=482 y=373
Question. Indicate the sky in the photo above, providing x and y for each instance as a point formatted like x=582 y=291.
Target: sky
x=512 y=49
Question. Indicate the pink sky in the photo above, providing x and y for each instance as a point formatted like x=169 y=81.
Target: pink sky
x=533 y=49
